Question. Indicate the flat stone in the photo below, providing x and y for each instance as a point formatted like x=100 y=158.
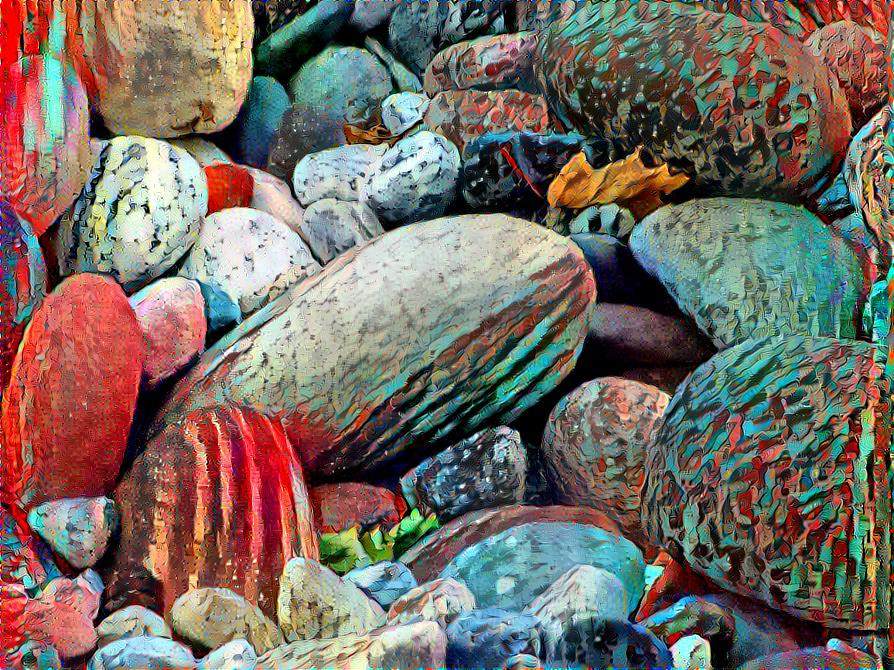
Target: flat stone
x=494 y=62
x=384 y=582
x=331 y=227
x=78 y=529
x=133 y=621
x=142 y=653
x=441 y=601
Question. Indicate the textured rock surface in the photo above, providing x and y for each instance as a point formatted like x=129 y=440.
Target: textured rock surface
x=314 y=603
x=489 y=638
x=441 y=601
x=594 y=446
x=384 y=582
x=485 y=470
x=78 y=529
x=335 y=173
x=171 y=314
x=211 y=617
x=512 y=568
x=137 y=215
x=274 y=196
x=229 y=186
x=496 y=345
x=493 y=62
x=136 y=653
x=417 y=645
x=602 y=643
x=217 y=499
x=133 y=621
x=632 y=73
x=691 y=652
x=139 y=59
x=790 y=494
x=250 y=255
x=235 y=655
x=253 y=130
x=331 y=227
x=70 y=402
x=402 y=111
x=348 y=504
x=756 y=291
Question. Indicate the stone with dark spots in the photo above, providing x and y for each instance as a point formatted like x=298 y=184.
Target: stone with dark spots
x=331 y=227
x=488 y=638
x=345 y=505
x=251 y=135
x=594 y=642
x=384 y=582
x=495 y=62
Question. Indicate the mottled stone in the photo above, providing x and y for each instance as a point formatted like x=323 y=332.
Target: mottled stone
x=594 y=446
x=512 y=302
x=164 y=74
x=756 y=291
x=235 y=655
x=171 y=314
x=274 y=196
x=68 y=409
x=137 y=215
x=584 y=592
x=314 y=603
x=335 y=173
x=402 y=78
x=415 y=180
x=594 y=642
x=133 y=621
x=78 y=529
x=210 y=617
x=441 y=601
x=814 y=657
x=369 y=14
x=402 y=111
x=489 y=638
x=495 y=62
x=417 y=645
x=692 y=652
x=485 y=470
x=384 y=582
x=345 y=505
x=250 y=255
x=331 y=227
x=251 y=135
x=204 y=151
x=142 y=653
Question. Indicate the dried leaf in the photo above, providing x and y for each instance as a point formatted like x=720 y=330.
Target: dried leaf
x=377 y=134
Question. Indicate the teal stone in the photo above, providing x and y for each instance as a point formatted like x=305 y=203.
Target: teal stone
x=510 y=569
x=252 y=132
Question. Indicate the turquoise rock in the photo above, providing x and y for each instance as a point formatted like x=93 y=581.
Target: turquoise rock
x=253 y=130
x=78 y=529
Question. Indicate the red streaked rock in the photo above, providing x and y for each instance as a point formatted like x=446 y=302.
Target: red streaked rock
x=72 y=394
x=217 y=499
x=348 y=504
x=228 y=186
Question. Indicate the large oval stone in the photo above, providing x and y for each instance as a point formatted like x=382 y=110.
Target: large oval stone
x=770 y=475
x=502 y=303
x=742 y=107
x=756 y=291
x=216 y=500
x=72 y=394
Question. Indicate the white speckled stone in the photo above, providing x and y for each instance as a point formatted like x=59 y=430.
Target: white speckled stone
x=78 y=529
x=402 y=111
x=133 y=653
x=335 y=173
x=235 y=655
x=250 y=255
x=331 y=227
x=274 y=196
x=132 y=621
x=692 y=652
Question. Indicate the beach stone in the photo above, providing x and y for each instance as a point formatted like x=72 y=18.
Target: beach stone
x=44 y=130
x=142 y=653
x=235 y=655
x=462 y=116
x=216 y=499
x=611 y=219
x=384 y=582
x=345 y=505
x=171 y=315
x=402 y=111
x=211 y=617
x=35 y=656
x=581 y=593
x=331 y=227
x=812 y=397
x=401 y=76
x=274 y=196
x=629 y=72
x=221 y=311
x=594 y=446
x=513 y=567
x=441 y=601
x=133 y=621
x=415 y=180
x=814 y=657
x=139 y=59
x=416 y=645
x=324 y=393
x=488 y=638
x=595 y=642
x=78 y=529
x=692 y=652
x=250 y=255
x=494 y=62
x=335 y=173
x=485 y=470
x=316 y=603
x=369 y=14
x=27 y=562
x=229 y=186
x=251 y=135
x=71 y=398
x=752 y=293
x=137 y=215
x=204 y=151
x=23 y=283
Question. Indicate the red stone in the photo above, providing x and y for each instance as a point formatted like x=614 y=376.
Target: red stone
x=228 y=186
x=217 y=499
x=345 y=505
x=675 y=582
x=72 y=394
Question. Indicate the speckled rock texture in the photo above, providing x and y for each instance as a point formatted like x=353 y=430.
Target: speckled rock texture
x=139 y=57
x=218 y=500
x=384 y=582
x=497 y=61
x=132 y=621
x=780 y=447
x=496 y=345
x=274 y=196
x=331 y=227
x=678 y=80
x=250 y=255
x=485 y=470
x=142 y=652
x=488 y=638
x=315 y=603
x=594 y=446
x=343 y=505
x=441 y=601
x=137 y=215
x=235 y=655
x=335 y=173
x=757 y=291
x=78 y=529
x=211 y=617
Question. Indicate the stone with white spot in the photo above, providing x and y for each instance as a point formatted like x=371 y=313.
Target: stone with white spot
x=402 y=111
x=235 y=655
x=440 y=600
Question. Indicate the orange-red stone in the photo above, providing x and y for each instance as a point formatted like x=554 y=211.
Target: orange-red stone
x=348 y=504
x=228 y=186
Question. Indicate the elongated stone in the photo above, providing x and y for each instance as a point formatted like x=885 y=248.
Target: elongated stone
x=384 y=582
x=335 y=173
x=344 y=505
x=494 y=62
x=496 y=345
x=136 y=653
x=211 y=617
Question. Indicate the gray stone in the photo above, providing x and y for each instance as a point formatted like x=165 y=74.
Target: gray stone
x=384 y=582
x=335 y=173
x=440 y=600
x=402 y=111
x=485 y=470
x=692 y=652
x=594 y=642
x=142 y=653
x=78 y=529
x=415 y=180
x=234 y=655
x=331 y=227
x=489 y=638
x=369 y=14
x=131 y=621
x=401 y=76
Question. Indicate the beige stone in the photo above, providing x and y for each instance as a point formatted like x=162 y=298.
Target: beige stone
x=211 y=617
